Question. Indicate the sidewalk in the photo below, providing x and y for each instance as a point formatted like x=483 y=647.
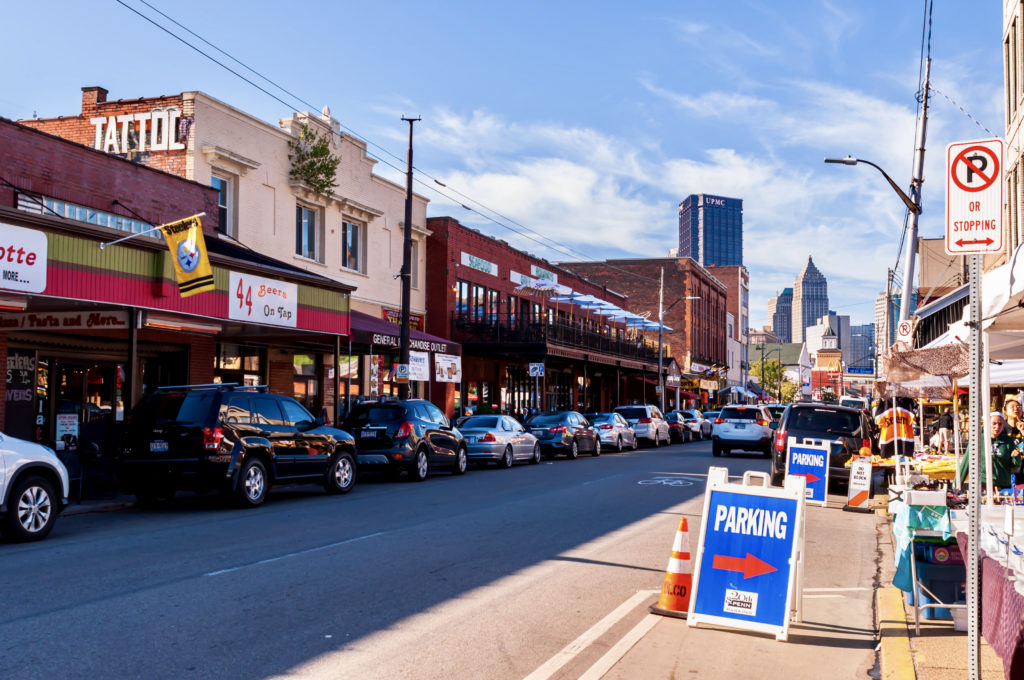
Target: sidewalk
x=118 y=502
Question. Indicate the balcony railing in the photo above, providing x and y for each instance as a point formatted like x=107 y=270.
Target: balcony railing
x=510 y=329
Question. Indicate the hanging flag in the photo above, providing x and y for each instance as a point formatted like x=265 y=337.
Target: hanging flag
x=188 y=251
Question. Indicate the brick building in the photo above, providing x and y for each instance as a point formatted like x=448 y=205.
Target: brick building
x=87 y=330
x=479 y=295
x=737 y=283
x=697 y=339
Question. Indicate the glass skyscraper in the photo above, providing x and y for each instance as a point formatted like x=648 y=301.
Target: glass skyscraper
x=711 y=230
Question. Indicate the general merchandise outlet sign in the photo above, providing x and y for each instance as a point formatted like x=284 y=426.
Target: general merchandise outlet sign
x=974 y=197
x=258 y=300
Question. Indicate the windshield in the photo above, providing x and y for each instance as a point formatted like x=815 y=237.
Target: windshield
x=599 y=417
x=480 y=423
x=825 y=420
x=183 y=408
x=546 y=419
x=375 y=415
x=633 y=412
x=739 y=414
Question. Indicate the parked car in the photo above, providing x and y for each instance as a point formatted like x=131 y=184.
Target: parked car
x=33 y=489
x=647 y=421
x=230 y=438
x=410 y=435
x=699 y=426
x=565 y=432
x=677 y=429
x=710 y=417
x=776 y=410
x=614 y=430
x=742 y=427
x=498 y=439
x=847 y=429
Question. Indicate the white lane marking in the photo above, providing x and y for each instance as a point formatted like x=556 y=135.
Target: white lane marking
x=571 y=650
x=613 y=655
x=822 y=597
x=835 y=590
x=294 y=554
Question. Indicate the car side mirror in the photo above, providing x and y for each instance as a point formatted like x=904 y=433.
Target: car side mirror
x=773 y=425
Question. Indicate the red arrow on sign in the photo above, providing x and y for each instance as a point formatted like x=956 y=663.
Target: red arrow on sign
x=811 y=478
x=749 y=565
x=963 y=243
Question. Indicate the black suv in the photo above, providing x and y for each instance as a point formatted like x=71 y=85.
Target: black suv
x=846 y=428
x=230 y=438
x=406 y=435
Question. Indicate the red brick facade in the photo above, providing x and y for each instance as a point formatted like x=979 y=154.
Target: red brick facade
x=737 y=282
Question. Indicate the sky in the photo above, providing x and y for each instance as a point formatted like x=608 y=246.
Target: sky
x=576 y=128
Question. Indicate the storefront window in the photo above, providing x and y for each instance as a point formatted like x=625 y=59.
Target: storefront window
x=306 y=383
x=238 y=364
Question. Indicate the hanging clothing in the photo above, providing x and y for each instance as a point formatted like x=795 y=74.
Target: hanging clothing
x=895 y=430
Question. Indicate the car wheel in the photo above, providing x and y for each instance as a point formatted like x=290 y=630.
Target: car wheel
x=535 y=458
x=341 y=475
x=506 y=458
x=597 y=448
x=635 y=443
x=462 y=462
x=421 y=468
x=31 y=510
x=716 y=450
x=700 y=434
x=618 y=444
x=574 y=450
x=252 y=483
x=776 y=475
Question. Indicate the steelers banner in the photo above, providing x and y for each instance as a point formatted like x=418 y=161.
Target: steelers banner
x=188 y=251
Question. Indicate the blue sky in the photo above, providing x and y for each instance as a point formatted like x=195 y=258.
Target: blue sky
x=586 y=122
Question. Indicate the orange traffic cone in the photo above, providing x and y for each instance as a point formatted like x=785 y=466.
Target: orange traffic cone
x=675 y=591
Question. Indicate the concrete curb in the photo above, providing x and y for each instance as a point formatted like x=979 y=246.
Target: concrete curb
x=897 y=660
x=97 y=506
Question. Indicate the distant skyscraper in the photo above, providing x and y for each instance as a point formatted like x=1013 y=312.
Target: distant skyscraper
x=863 y=337
x=711 y=230
x=780 y=313
x=810 y=299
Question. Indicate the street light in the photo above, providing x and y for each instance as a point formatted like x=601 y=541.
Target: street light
x=662 y=311
x=913 y=205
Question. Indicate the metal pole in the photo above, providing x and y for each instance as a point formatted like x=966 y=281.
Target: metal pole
x=915 y=194
x=661 y=322
x=977 y=412
x=403 y=388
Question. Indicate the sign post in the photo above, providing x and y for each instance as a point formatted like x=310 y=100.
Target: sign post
x=747 y=567
x=536 y=372
x=810 y=461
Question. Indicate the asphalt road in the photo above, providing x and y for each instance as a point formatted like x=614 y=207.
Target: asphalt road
x=486 y=575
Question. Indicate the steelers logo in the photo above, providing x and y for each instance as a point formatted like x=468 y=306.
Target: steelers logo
x=188 y=255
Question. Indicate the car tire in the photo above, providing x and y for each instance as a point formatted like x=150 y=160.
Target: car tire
x=341 y=474
x=32 y=510
x=461 y=461
x=635 y=444
x=597 y=448
x=776 y=475
x=421 y=466
x=506 y=458
x=700 y=434
x=574 y=450
x=716 y=449
x=618 y=444
x=252 y=483
x=535 y=458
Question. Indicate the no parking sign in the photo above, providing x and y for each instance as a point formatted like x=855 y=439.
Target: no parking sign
x=751 y=540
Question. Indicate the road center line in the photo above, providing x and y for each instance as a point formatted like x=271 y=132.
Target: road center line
x=571 y=650
x=294 y=554
x=613 y=655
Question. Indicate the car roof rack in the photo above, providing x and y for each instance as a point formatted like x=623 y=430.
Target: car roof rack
x=213 y=386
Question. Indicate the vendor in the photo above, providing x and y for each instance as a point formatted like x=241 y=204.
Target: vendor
x=1014 y=419
x=1006 y=459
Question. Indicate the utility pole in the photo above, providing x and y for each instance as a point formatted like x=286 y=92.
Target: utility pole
x=915 y=195
x=403 y=388
x=661 y=323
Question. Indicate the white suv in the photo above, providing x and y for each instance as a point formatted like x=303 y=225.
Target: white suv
x=742 y=427
x=648 y=423
x=33 y=489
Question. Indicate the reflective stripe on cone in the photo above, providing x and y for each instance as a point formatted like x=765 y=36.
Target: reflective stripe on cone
x=675 y=591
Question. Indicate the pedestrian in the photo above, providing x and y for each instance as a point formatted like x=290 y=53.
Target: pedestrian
x=1014 y=419
x=945 y=425
x=1006 y=457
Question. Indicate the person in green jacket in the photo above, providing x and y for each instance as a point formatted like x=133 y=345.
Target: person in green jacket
x=1006 y=458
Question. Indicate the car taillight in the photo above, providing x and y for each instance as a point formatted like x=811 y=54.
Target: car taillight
x=762 y=423
x=212 y=437
x=780 y=440
x=404 y=430
x=644 y=420
x=719 y=421
x=487 y=438
x=558 y=428
x=606 y=426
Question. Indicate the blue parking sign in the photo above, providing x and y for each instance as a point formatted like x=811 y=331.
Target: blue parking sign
x=747 y=556
x=810 y=461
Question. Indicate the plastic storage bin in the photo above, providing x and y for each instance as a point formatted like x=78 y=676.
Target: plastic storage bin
x=947 y=581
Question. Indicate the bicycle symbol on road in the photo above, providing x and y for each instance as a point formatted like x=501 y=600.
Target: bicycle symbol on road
x=667 y=481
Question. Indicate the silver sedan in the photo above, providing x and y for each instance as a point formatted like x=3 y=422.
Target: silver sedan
x=498 y=439
x=615 y=430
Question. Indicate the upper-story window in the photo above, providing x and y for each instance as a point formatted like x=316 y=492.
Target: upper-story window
x=225 y=199
x=307 y=233
x=462 y=299
x=352 y=246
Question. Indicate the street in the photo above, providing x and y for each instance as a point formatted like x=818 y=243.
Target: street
x=488 y=575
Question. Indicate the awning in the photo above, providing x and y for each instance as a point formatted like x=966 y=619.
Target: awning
x=369 y=330
x=687 y=394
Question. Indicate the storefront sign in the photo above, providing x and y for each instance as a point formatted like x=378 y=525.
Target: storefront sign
x=698 y=368
x=415 y=320
x=259 y=300
x=479 y=264
x=414 y=343
x=419 y=366
x=68 y=321
x=22 y=259
x=118 y=134
x=67 y=431
x=539 y=273
x=21 y=383
x=447 y=368
x=709 y=385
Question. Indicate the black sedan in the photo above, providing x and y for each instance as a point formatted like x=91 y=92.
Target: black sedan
x=565 y=432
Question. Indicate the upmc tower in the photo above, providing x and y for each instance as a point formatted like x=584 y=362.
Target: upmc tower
x=711 y=230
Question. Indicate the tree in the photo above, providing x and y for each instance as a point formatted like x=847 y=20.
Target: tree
x=312 y=160
x=772 y=378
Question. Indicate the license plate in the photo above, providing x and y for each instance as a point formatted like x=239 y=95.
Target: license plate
x=741 y=426
x=157 y=446
x=537 y=433
x=368 y=434
x=470 y=440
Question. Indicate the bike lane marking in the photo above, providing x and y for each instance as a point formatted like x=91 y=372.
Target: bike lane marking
x=294 y=554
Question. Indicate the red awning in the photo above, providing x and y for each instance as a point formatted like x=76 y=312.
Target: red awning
x=369 y=330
